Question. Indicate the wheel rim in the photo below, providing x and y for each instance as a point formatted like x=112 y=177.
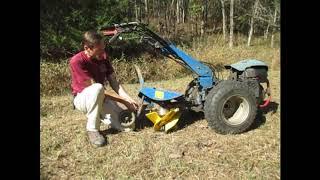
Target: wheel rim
x=235 y=110
x=127 y=118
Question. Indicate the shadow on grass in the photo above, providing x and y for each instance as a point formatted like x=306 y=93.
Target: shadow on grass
x=261 y=119
x=272 y=107
x=109 y=131
x=187 y=118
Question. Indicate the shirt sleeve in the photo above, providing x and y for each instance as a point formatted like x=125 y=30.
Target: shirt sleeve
x=80 y=73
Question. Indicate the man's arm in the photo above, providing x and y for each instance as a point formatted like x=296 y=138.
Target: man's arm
x=114 y=97
x=116 y=86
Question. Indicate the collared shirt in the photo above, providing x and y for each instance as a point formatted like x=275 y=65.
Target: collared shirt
x=83 y=68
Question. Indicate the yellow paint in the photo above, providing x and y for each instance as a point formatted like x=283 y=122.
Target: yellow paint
x=169 y=120
x=153 y=116
x=159 y=94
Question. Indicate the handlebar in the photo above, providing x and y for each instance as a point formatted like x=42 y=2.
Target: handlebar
x=122 y=25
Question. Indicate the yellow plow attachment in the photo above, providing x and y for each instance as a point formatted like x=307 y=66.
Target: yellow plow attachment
x=169 y=120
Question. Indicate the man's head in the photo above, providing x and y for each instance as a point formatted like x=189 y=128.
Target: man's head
x=93 y=44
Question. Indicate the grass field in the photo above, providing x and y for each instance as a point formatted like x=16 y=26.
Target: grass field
x=192 y=152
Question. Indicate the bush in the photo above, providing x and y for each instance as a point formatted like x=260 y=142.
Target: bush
x=54 y=78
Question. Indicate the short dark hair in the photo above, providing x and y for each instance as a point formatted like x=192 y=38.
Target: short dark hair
x=91 y=38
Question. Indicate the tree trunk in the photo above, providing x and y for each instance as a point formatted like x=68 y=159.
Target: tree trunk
x=146 y=10
x=129 y=11
x=206 y=11
x=166 y=21
x=192 y=29
x=170 y=11
x=266 y=33
x=140 y=13
x=136 y=9
x=178 y=12
x=250 y=31
x=183 y=11
x=146 y=6
x=158 y=11
x=202 y=26
x=224 y=29
x=273 y=28
x=196 y=27
x=255 y=6
x=231 y=24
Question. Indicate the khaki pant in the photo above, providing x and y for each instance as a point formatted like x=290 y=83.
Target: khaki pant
x=93 y=103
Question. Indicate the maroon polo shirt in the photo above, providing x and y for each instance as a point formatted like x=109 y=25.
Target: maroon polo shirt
x=83 y=68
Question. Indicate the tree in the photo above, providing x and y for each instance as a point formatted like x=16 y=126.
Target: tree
x=203 y=17
x=136 y=10
x=254 y=12
x=224 y=29
x=146 y=9
x=137 y=6
x=185 y=5
x=266 y=32
x=231 y=24
x=178 y=12
x=62 y=22
x=273 y=28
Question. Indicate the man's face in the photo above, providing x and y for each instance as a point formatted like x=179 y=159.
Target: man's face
x=96 y=51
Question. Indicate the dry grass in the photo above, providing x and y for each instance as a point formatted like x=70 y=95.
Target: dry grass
x=193 y=152
x=55 y=78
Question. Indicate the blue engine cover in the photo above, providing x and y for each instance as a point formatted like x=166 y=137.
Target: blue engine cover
x=159 y=94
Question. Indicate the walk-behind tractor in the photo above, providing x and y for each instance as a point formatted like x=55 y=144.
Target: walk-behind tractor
x=229 y=105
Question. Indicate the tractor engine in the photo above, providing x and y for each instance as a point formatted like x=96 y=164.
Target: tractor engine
x=260 y=75
x=256 y=77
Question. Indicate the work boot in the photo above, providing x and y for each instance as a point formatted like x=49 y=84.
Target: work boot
x=96 y=138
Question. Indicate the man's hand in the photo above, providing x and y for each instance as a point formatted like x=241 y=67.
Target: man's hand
x=128 y=102
x=131 y=105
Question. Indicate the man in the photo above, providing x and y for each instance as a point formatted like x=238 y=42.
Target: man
x=90 y=69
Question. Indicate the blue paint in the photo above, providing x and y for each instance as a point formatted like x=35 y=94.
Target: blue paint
x=206 y=82
x=151 y=93
x=196 y=66
x=204 y=72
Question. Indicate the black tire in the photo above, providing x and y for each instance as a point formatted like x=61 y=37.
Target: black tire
x=230 y=107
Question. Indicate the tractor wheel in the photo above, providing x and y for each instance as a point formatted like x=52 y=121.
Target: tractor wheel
x=230 y=107
x=127 y=119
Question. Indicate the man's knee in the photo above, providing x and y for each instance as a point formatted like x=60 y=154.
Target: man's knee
x=96 y=88
x=95 y=92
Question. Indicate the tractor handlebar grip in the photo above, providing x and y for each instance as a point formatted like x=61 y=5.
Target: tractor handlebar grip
x=120 y=25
